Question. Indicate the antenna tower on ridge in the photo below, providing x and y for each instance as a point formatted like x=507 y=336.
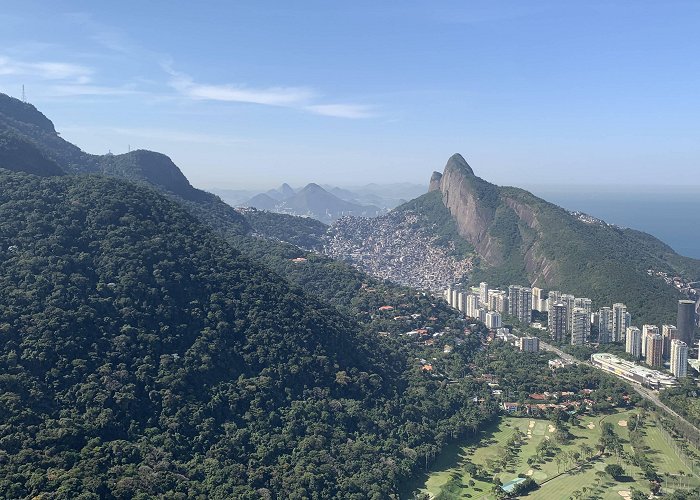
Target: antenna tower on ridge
x=24 y=96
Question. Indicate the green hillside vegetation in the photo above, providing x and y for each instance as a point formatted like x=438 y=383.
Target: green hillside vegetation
x=22 y=156
x=530 y=241
x=606 y=263
x=303 y=232
x=43 y=148
x=331 y=281
x=142 y=356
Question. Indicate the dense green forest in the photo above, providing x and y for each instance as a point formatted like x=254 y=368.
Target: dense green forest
x=142 y=355
x=303 y=232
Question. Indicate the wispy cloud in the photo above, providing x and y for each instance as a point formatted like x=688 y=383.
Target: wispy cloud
x=302 y=98
x=46 y=70
x=354 y=111
x=273 y=96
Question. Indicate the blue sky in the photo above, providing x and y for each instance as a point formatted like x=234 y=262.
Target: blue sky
x=253 y=93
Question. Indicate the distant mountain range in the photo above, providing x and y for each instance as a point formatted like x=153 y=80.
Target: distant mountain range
x=310 y=201
x=325 y=203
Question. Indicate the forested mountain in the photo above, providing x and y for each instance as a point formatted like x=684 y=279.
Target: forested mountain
x=520 y=238
x=141 y=355
x=304 y=232
x=34 y=146
x=26 y=130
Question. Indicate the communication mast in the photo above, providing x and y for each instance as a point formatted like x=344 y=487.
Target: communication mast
x=24 y=96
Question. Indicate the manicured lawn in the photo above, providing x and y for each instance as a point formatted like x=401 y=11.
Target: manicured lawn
x=449 y=479
x=606 y=489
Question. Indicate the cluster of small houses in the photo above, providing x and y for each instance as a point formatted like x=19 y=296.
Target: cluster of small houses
x=677 y=282
x=543 y=403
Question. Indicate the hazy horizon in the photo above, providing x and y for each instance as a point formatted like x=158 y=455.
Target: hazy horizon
x=527 y=93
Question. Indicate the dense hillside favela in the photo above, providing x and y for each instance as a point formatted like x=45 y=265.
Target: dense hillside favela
x=474 y=342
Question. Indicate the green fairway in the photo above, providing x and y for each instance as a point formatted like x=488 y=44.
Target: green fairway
x=450 y=476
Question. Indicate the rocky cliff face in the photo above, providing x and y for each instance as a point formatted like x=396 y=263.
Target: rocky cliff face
x=520 y=238
x=472 y=202
x=434 y=182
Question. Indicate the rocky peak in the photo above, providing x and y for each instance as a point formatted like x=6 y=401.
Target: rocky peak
x=458 y=163
x=434 y=182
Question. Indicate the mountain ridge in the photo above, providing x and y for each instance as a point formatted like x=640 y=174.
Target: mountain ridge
x=312 y=200
x=38 y=138
x=521 y=238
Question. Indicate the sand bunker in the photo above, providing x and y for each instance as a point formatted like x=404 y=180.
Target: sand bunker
x=591 y=425
x=552 y=428
x=622 y=423
x=625 y=494
x=530 y=472
x=532 y=424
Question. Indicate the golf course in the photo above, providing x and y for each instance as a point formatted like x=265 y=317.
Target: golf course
x=569 y=466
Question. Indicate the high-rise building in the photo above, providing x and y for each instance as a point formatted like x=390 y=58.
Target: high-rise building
x=570 y=302
x=473 y=305
x=654 y=350
x=647 y=330
x=520 y=303
x=513 y=297
x=552 y=298
x=529 y=344
x=668 y=333
x=686 y=321
x=537 y=294
x=583 y=303
x=453 y=300
x=620 y=322
x=484 y=292
x=557 y=322
x=498 y=301
x=448 y=294
x=605 y=325
x=633 y=341
x=493 y=319
x=580 y=326
x=679 y=358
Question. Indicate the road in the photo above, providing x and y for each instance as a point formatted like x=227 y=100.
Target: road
x=642 y=391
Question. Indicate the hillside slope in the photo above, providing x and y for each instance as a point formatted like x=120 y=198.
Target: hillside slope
x=521 y=238
x=35 y=134
x=142 y=355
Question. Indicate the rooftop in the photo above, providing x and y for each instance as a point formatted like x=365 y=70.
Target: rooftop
x=647 y=374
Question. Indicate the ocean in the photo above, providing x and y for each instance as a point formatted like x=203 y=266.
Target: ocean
x=669 y=213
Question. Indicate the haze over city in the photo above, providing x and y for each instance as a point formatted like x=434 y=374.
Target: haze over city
x=247 y=95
